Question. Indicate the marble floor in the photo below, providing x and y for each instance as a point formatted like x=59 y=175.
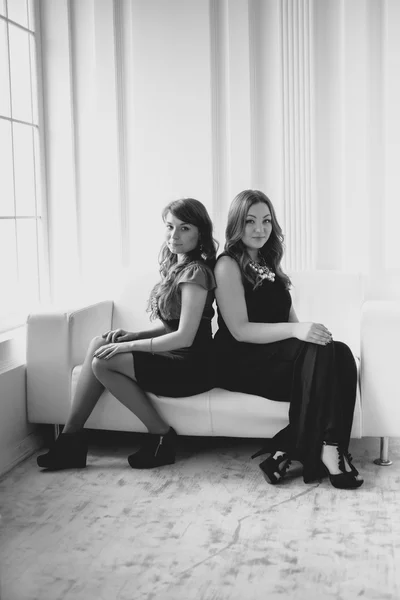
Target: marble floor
x=207 y=528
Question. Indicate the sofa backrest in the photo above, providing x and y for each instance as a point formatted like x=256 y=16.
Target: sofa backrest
x=333 y=298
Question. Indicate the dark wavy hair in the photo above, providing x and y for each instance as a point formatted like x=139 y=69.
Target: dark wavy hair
x=273 y=249
x=195 y=213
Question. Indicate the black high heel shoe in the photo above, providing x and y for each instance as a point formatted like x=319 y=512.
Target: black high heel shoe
x=346 y=480
x=69 y=451
x=274 y=469
x=349 y=459
x=157 y=451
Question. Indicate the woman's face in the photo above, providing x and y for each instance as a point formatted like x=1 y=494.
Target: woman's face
x=258 y=227
x=180 y=237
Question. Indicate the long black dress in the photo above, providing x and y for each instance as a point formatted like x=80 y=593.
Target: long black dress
x=186 y=371
x=318 y=381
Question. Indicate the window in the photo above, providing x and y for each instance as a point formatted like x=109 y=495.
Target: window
x=21 y=255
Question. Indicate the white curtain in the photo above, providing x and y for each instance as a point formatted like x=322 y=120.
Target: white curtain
x=148 y=101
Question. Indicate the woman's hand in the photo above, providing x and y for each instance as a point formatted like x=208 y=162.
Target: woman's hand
x=110 y=350
x=316 y=333
x=117 y=335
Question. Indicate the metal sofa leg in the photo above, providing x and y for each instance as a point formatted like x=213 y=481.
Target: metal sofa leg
x=383 y=460
x=56 y=431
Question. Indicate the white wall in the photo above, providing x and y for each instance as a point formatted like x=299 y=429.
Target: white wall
x=18 y=439
x=148 y=101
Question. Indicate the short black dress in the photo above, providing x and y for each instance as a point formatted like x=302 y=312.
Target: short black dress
x=187 y=371
x=318 y=381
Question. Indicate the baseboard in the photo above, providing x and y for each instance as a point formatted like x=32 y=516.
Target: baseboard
x=12 y=456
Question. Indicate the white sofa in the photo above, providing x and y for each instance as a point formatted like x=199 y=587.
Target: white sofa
x=57 y=341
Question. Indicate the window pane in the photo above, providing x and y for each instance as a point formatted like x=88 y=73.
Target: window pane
x=4 y=72
x=6 y=166
x=18 y=11
x=28 y=280
x=21 y=97
x=32 y=51
x=43 y=291
x=2 y=7
x=31 y=14
x=24 y=170
x=38 y=172
x=8 y=265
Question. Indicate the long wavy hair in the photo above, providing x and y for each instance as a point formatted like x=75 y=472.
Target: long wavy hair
x=273 y=249
x=195 y=213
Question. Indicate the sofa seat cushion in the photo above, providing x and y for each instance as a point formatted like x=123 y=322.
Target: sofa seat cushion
x=215 y=413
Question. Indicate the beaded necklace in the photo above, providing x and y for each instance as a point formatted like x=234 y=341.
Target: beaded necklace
x=262 y=269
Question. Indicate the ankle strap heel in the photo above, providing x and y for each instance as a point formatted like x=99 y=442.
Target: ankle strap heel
x=345 y=480
x=275 y=469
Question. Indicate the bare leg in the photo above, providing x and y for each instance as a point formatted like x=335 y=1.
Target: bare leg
x=329 y=457
x=118 y=376
x=88 y=391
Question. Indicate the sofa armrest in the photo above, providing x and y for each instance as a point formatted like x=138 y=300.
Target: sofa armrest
x=380 y=384
x=56 y=342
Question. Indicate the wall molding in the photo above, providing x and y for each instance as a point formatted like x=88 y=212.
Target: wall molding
x=120 y=17
x=15 y=454
x=297 y=93
x=219 y=111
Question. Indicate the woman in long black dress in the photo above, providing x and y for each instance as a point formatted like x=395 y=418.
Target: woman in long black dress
x=171 y=359
x=262 y=349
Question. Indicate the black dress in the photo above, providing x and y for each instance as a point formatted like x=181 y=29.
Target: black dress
x=186 y=371
x=318 y=381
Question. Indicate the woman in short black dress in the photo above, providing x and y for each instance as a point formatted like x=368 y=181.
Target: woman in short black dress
x=171 y=359
x=262 y=349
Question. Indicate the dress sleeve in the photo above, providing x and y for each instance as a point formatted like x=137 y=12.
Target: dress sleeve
x=200 y=274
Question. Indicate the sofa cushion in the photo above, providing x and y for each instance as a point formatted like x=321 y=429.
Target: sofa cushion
x=215 y=413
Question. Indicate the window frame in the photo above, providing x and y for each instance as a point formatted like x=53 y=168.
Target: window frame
x=12 y=321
